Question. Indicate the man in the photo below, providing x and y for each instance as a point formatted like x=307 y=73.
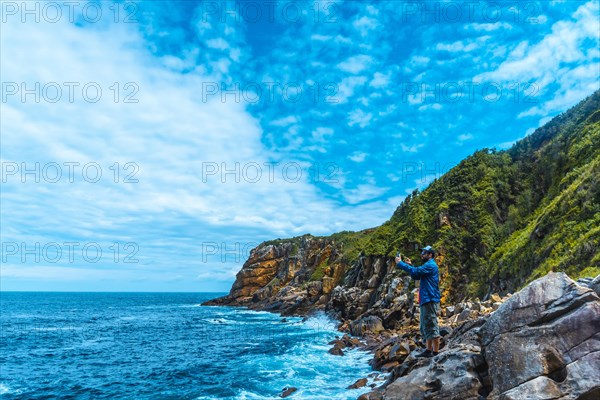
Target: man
x=429 y=298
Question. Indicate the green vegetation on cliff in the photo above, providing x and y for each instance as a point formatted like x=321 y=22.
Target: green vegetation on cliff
x=503 y=218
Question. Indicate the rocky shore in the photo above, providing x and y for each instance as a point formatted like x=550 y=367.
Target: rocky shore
x=542 y=342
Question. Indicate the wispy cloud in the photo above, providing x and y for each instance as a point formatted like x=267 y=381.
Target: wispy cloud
x=356 y=64
x=368 y=86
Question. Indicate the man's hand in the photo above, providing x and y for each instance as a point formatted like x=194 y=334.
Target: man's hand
x=406 y=260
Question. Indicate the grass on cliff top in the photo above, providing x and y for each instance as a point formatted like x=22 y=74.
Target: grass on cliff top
x=350 y=243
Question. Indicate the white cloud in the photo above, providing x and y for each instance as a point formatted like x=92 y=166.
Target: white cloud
x=412 y=148
x=364 y=25
x=358 y=156
x=489 y=27
x=463 y=46
x=347 y=87
x=321 y=134
x=533 y=111
x=342 y=40
x=433 y=106
x=359 y=117
x=286 y=121
x=363 y=193
x=414 y=63
x=419 y=60
x=465 y=136
x=320 y=38
x=217 y=43
x=356 y=64
x=564 y=64
x=380 y=80
x=560 y=57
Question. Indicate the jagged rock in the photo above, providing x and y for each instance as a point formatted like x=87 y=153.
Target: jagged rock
x=287 y=391
x=274 y=271
x=314 y=288
x=453 y=374
x=338 y=343
x=345 y=300
x=464 y=316
x=389 y=366
x=336 y=351
x=365 y=297
x=370 y=323
x=399 y=349
x=391 y=350
x=374 y=395
x=327 y=284
x=372 y=283
x=542 y=343
x=358 y=384
x=545 y=340
x=350 y=341
x=495 y=298
x=595 y=285
x=449 y=311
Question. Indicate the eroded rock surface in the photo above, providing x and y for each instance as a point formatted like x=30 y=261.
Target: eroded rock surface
x=546 y=340
x=541 y=343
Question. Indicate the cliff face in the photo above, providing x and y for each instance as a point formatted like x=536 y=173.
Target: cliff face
x=307 y=274
x=289 y=276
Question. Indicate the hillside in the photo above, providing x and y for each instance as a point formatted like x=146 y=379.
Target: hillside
x=499 y=220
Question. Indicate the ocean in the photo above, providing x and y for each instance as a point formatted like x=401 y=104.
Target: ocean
x=64 y=345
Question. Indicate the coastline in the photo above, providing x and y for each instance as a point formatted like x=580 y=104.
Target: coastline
x=482 y=340
x=388 y=349
x=341 y=343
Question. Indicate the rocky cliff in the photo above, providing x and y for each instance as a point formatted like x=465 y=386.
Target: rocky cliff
x=308 y=274
x=500 y=220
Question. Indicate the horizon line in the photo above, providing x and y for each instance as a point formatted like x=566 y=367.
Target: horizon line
x=90 y=291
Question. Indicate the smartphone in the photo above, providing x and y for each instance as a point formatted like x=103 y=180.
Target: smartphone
x=398 y=254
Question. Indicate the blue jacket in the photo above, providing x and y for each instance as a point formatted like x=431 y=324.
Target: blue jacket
x=430 y=280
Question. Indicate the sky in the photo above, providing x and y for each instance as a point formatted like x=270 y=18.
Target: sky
x=150 y=145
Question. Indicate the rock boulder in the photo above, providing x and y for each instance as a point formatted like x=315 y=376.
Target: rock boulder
x=545 y=339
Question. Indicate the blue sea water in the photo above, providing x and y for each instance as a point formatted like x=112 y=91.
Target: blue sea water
x=164 y=346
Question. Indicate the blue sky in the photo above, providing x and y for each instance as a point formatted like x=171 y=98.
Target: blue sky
x=147 y=146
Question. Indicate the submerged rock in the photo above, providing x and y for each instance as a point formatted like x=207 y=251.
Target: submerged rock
x=336 y=351
x=358 y=384
x=287 y=391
